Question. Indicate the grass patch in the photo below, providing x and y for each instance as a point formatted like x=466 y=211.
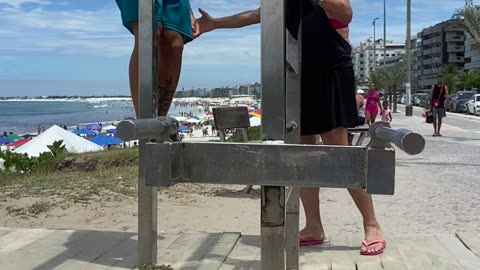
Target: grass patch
x=80 y=178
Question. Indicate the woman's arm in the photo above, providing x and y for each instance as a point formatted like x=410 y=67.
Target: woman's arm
x=337 y=9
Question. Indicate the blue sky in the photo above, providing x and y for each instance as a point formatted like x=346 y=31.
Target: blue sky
x=79 y=47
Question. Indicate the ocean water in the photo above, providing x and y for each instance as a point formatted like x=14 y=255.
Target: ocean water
x=22 y=117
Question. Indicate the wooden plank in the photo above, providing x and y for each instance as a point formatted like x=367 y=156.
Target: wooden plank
x=41 y=254
x=93 y=245
x=21 y=238
x=219 y=252
x=124 y=255
x=363 y=262
x=471 y=241
x=188 y=250
x=391 y=258
x=342 y=257
x=4 y=231
x=317 y=257
x=245 y=255
x=465 y=257
x=439 y=256
x=412 y=251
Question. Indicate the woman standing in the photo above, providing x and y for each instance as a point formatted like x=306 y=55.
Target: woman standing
x=373 y=104
x=328 y=105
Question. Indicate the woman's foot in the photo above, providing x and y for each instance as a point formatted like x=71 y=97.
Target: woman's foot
x=373 y=235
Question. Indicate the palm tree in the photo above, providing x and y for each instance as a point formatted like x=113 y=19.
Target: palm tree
x=450 y=77
x=393 y=78
x=468 y=19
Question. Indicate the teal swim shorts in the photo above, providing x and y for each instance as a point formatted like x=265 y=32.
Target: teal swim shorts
x=173 y=14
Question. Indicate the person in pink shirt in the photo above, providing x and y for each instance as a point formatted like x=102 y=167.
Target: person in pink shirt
x=373 y=104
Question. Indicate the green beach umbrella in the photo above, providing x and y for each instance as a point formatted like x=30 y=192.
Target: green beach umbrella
x=14 y=137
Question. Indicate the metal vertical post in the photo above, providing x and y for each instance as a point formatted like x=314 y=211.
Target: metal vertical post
x=409 y=105
x=147 y=196
x=273 y=128
x=374 y=45
x=293 y=115
x=385 y=34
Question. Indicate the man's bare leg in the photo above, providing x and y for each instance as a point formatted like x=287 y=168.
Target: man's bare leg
x=311 y=204
x=169 y=67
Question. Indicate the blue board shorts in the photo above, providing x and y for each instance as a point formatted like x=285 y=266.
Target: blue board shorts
x=173 y=14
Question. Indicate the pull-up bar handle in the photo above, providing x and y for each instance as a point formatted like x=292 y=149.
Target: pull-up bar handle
x=149 y=128
x=410 y=142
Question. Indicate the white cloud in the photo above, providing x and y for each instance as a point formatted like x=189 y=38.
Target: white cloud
x=17 y=3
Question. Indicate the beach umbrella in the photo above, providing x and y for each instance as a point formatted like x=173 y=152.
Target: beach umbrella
x=14 y=137
x=29 y=136
x=84 y=132
x=183 y=128
x=180 y=118
x=193 y=120
x=104 y=140
x=109 y=127
x=18 y=143
x=112 y=131
x=4 y=140
x=94 y=127
x=254 y=121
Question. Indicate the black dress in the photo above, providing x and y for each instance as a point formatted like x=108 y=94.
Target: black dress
x=328 y=81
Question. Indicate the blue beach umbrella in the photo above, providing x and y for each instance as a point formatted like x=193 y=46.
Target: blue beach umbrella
x=104 y=140
x=183 y=128
x=112 y=131
x=4 y=140
x=84 y=131
x=94 y=127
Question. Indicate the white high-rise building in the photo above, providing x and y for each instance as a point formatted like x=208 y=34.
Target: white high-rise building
x=363 y=57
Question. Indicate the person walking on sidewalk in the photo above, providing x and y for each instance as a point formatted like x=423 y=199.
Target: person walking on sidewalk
x=437 y=102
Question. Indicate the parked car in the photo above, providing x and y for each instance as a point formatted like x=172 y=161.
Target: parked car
x=448 y=102
x=459 y=102
x=421 y=98
x=403 y=99
x=473 y=105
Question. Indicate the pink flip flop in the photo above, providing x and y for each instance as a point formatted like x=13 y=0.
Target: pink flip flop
x=378 y=252
x=303 y=241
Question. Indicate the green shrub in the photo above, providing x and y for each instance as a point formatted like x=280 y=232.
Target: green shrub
x=254 y=134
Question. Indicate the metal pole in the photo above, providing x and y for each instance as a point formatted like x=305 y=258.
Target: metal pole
x=384 y=34
x=147 y=196
x=374 y=46
x=273 y=128
x=409 y=105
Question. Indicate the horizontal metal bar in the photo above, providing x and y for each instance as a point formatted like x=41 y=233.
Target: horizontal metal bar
x=260 y=164
x=151 y=128
x=410 y=142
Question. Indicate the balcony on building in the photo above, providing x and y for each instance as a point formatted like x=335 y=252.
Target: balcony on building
x=432 y=51
x=432 y=40
x=454 y=48
x=456 y=59
x=453 y=28
x=452 y=37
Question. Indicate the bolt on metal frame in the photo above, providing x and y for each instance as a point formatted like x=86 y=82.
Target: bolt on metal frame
x=281 y=168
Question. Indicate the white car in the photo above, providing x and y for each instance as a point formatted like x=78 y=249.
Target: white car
x=473 y=105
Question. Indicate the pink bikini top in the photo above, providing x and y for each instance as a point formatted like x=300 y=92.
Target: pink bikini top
x=337 y=24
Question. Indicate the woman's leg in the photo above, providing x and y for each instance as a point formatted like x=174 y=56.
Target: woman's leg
x=373 y=116
x=367 y=117
x=311 y=204
x=362 y=200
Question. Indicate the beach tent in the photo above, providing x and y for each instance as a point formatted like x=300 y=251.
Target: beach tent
x=94 y=127
x=18 y=143
x=14 y=137
x=193 y=120
x=180 y=118
x=84 y=132
x=104 y=140
x=4 y=140
x=72 y=142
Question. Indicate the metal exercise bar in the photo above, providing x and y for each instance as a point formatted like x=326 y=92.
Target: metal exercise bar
x=410 y=142
x=147 y=196
x=152 y=128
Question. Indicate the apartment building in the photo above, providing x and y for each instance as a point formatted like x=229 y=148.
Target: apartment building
x=437 y=46
x=363 y=56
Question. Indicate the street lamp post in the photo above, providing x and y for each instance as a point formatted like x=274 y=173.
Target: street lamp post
x=374 y=46
x=409 y=106
x=384 y=34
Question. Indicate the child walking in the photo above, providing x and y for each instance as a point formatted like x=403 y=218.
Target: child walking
x=386 y=113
